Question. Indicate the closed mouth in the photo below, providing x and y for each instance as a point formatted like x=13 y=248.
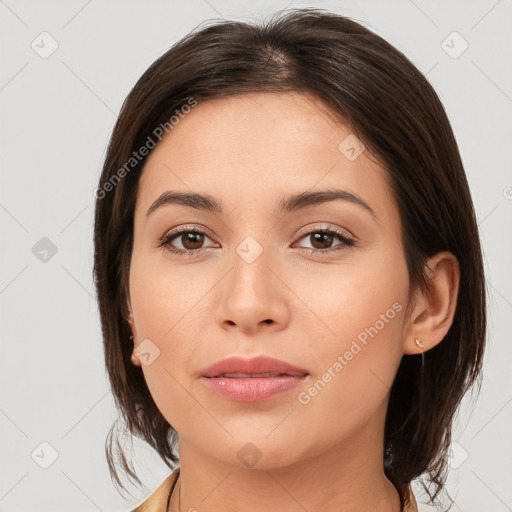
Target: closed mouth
x=254 y=375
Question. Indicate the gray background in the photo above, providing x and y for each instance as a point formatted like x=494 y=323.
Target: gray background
x=57 y=114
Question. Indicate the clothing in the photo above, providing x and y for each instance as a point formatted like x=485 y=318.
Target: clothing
x=157 y=502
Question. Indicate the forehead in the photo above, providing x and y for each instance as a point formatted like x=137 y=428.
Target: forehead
x=251 y=149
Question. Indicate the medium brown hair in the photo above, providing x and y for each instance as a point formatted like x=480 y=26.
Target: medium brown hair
x=394 y=110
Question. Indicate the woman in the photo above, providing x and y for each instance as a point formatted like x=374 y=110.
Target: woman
x=288 y=270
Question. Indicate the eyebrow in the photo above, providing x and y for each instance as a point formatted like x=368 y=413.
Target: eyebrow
x=290 y=204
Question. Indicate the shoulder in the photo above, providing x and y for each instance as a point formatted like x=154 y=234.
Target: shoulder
x=158 y=499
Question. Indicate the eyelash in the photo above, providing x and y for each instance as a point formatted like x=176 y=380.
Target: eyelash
x=166 y=241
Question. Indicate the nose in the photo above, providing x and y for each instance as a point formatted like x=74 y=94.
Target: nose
x=252 y=296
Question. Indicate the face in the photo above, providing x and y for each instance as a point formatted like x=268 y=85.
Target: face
x=321 y=285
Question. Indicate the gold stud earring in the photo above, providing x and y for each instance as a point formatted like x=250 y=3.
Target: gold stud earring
x=135 y=359
x=419 y=344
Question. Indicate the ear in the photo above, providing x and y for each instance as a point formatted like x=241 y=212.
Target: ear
x=433 y=312
x=129 y=318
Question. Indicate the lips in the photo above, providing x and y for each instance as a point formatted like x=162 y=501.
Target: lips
x=250 y=375
x=252 y=380
x=256 y=367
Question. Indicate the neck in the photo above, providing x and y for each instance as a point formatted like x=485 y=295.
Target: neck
x=347 y=477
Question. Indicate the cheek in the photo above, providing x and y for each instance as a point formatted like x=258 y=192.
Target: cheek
x=362 y=298
x=163 y=296
x=165 y=307
x=355 y=339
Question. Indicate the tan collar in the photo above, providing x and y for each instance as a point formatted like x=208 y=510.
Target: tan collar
x=157 y=501
x=410 y=504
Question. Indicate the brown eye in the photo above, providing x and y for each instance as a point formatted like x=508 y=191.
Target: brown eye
x=185 y=241
x=192 y=240
x=321 y=240
x=324 y=240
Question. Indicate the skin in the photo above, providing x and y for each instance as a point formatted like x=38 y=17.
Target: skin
x=249 y=152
